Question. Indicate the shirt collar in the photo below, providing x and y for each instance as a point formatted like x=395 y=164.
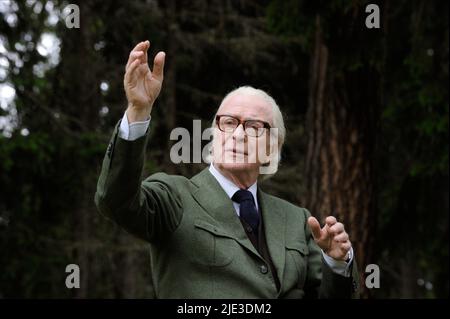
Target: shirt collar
x=229 y=187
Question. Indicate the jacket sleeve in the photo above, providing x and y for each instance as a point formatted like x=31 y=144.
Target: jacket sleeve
x=321 y=281
x=149 y=210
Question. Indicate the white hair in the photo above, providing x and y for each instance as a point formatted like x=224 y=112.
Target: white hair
x=277 y=119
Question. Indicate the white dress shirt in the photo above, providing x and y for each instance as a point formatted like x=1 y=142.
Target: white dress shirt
x=135 y=130
x=230 y=188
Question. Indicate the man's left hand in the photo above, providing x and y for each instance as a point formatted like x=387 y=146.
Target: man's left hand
x=332 y=238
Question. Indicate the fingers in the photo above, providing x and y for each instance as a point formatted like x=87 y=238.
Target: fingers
x=315 y=227
x=342 y=237
x=133 y=56
x=142 y=46
x=158 y=66
x=139 y=51
x=336 y=229
x=330 y=220
x=128 y=74
x=345 y=248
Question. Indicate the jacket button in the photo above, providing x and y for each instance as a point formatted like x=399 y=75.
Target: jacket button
x=248 y=229
x=263 y=269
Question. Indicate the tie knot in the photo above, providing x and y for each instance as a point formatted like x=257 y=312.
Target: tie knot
x=242 y=195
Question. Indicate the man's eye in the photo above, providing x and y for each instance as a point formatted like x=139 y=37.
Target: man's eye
x=228 y=122
x=255 y=125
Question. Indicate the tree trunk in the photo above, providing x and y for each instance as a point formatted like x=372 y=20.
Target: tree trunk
x=338 y=168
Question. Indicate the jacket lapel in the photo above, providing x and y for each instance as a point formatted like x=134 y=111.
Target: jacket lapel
x=274 y=221
x=219 y=206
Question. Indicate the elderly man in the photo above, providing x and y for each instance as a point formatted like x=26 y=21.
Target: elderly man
x=217 y=235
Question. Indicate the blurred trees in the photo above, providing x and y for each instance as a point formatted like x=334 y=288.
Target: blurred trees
x=341 y=121
x=387 y=87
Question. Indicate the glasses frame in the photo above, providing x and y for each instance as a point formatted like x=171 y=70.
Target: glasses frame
x=243 y=122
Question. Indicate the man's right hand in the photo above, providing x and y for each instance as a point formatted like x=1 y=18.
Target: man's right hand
x=142 y=86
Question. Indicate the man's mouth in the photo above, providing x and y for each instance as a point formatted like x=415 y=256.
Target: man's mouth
x=237 y=152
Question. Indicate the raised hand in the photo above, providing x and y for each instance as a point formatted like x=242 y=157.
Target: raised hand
x=332 y=238
x=142 y=86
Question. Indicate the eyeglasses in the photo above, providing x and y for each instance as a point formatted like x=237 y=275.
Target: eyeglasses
x=228 y=124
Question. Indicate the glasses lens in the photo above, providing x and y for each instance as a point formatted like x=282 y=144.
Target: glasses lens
x=228 y=124
x=254 y=128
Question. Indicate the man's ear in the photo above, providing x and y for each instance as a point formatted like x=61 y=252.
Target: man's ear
x=208 y=158
x=272 y=148
x=271 y=166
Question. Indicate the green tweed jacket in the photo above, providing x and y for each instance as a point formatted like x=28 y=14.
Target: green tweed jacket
x=198 y=246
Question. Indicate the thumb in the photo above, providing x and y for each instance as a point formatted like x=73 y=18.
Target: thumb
x=315 y=227
x=158 y=66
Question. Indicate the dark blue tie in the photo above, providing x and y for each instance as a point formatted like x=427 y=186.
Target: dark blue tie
x=247 y=208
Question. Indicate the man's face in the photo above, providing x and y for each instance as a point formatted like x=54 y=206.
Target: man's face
x=238 y=150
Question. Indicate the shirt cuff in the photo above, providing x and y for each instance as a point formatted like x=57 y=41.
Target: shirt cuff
x=339 y=267
x=133 y=131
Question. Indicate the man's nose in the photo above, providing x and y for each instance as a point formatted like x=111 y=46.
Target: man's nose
x=239 y=133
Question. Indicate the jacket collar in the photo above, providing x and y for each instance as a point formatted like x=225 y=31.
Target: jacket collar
x=229 y=187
